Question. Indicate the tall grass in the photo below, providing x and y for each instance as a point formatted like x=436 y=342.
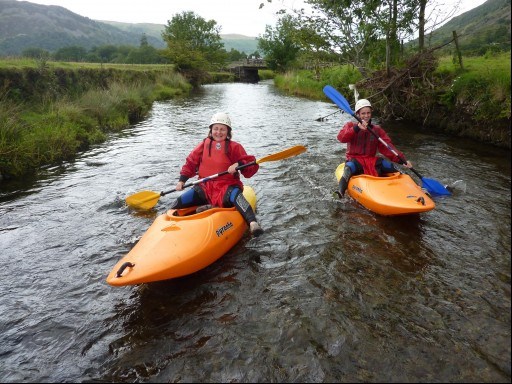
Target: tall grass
x=308 y=84
x=36 y=134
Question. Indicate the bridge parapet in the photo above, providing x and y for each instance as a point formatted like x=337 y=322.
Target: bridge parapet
x=247 y=70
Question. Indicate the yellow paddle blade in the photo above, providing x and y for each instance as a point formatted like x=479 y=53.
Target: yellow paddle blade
x=143 y=200
x=293 y=151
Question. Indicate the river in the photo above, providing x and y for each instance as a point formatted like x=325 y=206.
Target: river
x=329 y=293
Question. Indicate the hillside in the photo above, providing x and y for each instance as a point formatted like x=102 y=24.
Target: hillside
x=27 y=25
x=485 y=25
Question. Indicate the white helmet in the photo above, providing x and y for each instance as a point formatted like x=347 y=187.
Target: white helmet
x=362 y=103
x=220 y=118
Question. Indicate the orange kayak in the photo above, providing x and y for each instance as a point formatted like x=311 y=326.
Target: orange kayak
x=393 y=194
x=181 y=242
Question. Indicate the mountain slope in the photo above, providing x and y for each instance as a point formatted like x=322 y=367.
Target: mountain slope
x=24 y=25
x=241 y=43
x=487 y=24
x=27 y=25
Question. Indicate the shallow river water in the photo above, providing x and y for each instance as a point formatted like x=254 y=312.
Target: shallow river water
x=329 y=293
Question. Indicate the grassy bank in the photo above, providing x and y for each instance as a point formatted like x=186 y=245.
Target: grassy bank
x=49 y=111
x=482 y=87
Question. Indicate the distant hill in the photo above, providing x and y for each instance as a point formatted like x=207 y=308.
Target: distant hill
x=27 y=25
x=153 y=30
x=241 y=43
x=487 y=24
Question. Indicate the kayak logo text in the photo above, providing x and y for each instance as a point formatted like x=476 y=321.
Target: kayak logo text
x=357 y=189
x=223 y=229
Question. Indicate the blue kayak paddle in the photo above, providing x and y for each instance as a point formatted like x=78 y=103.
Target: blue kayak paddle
x=434 y=187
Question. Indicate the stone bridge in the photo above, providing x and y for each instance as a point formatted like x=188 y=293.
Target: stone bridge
x=247 y=71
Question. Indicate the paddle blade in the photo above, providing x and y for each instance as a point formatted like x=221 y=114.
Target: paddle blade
x=293 y=151
x=143 y=200
x=338 y=99
x=434 y=187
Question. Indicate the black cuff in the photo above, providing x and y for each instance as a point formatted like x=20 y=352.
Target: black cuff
x=183 y=178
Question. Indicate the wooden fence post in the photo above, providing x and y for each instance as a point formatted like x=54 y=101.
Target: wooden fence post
x=457 y=49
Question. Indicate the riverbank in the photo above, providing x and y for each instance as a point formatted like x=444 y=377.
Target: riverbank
x=50 y=111
x=473 y=102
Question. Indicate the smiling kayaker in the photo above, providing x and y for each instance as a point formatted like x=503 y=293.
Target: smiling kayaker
x=215 y=154
x=362 y=148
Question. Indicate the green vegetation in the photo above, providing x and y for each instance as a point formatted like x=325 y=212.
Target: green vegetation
x=482 y=87
x=308 y=84
x=25 y=62
x=194 y=43
x=48 y=112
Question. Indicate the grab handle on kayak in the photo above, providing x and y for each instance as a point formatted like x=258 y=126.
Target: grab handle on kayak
x=123 y=267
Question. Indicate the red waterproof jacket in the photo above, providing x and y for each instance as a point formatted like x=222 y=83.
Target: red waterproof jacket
x=210 y=158
x=363 y=146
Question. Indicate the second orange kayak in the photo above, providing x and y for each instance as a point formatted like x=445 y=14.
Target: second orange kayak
x=390 y=195
x=181 y=242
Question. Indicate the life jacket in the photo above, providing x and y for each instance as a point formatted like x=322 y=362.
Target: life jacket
x=215 y=160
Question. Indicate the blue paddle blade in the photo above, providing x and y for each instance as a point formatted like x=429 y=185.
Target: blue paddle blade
x=434 y=187
x=338 y=99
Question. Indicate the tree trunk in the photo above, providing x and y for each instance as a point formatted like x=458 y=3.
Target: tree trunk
x=421 y=26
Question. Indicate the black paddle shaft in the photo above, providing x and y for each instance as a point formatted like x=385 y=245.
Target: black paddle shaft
x=208 y=178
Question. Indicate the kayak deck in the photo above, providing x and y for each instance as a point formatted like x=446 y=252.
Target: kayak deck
x=181 y=242
x=390 y=195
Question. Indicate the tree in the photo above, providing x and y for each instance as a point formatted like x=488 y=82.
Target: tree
x=347 y=26
x=194 y=43
x=235 y=55
x=355 y=29
x=280 y=45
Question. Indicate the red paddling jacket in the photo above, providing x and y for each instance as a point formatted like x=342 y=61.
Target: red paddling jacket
x=363 y=146
x=211 y=157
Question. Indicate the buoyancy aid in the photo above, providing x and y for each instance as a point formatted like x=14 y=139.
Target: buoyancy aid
x=363 y=146
x=215 y=160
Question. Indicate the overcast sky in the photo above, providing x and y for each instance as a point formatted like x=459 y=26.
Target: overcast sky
x=243 y=17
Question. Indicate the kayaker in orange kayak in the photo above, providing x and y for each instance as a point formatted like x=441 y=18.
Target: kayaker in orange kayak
x=215 y=154
x=362 y=148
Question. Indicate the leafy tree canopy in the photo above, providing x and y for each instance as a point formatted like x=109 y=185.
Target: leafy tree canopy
x=193 y=42
x=280 y=45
